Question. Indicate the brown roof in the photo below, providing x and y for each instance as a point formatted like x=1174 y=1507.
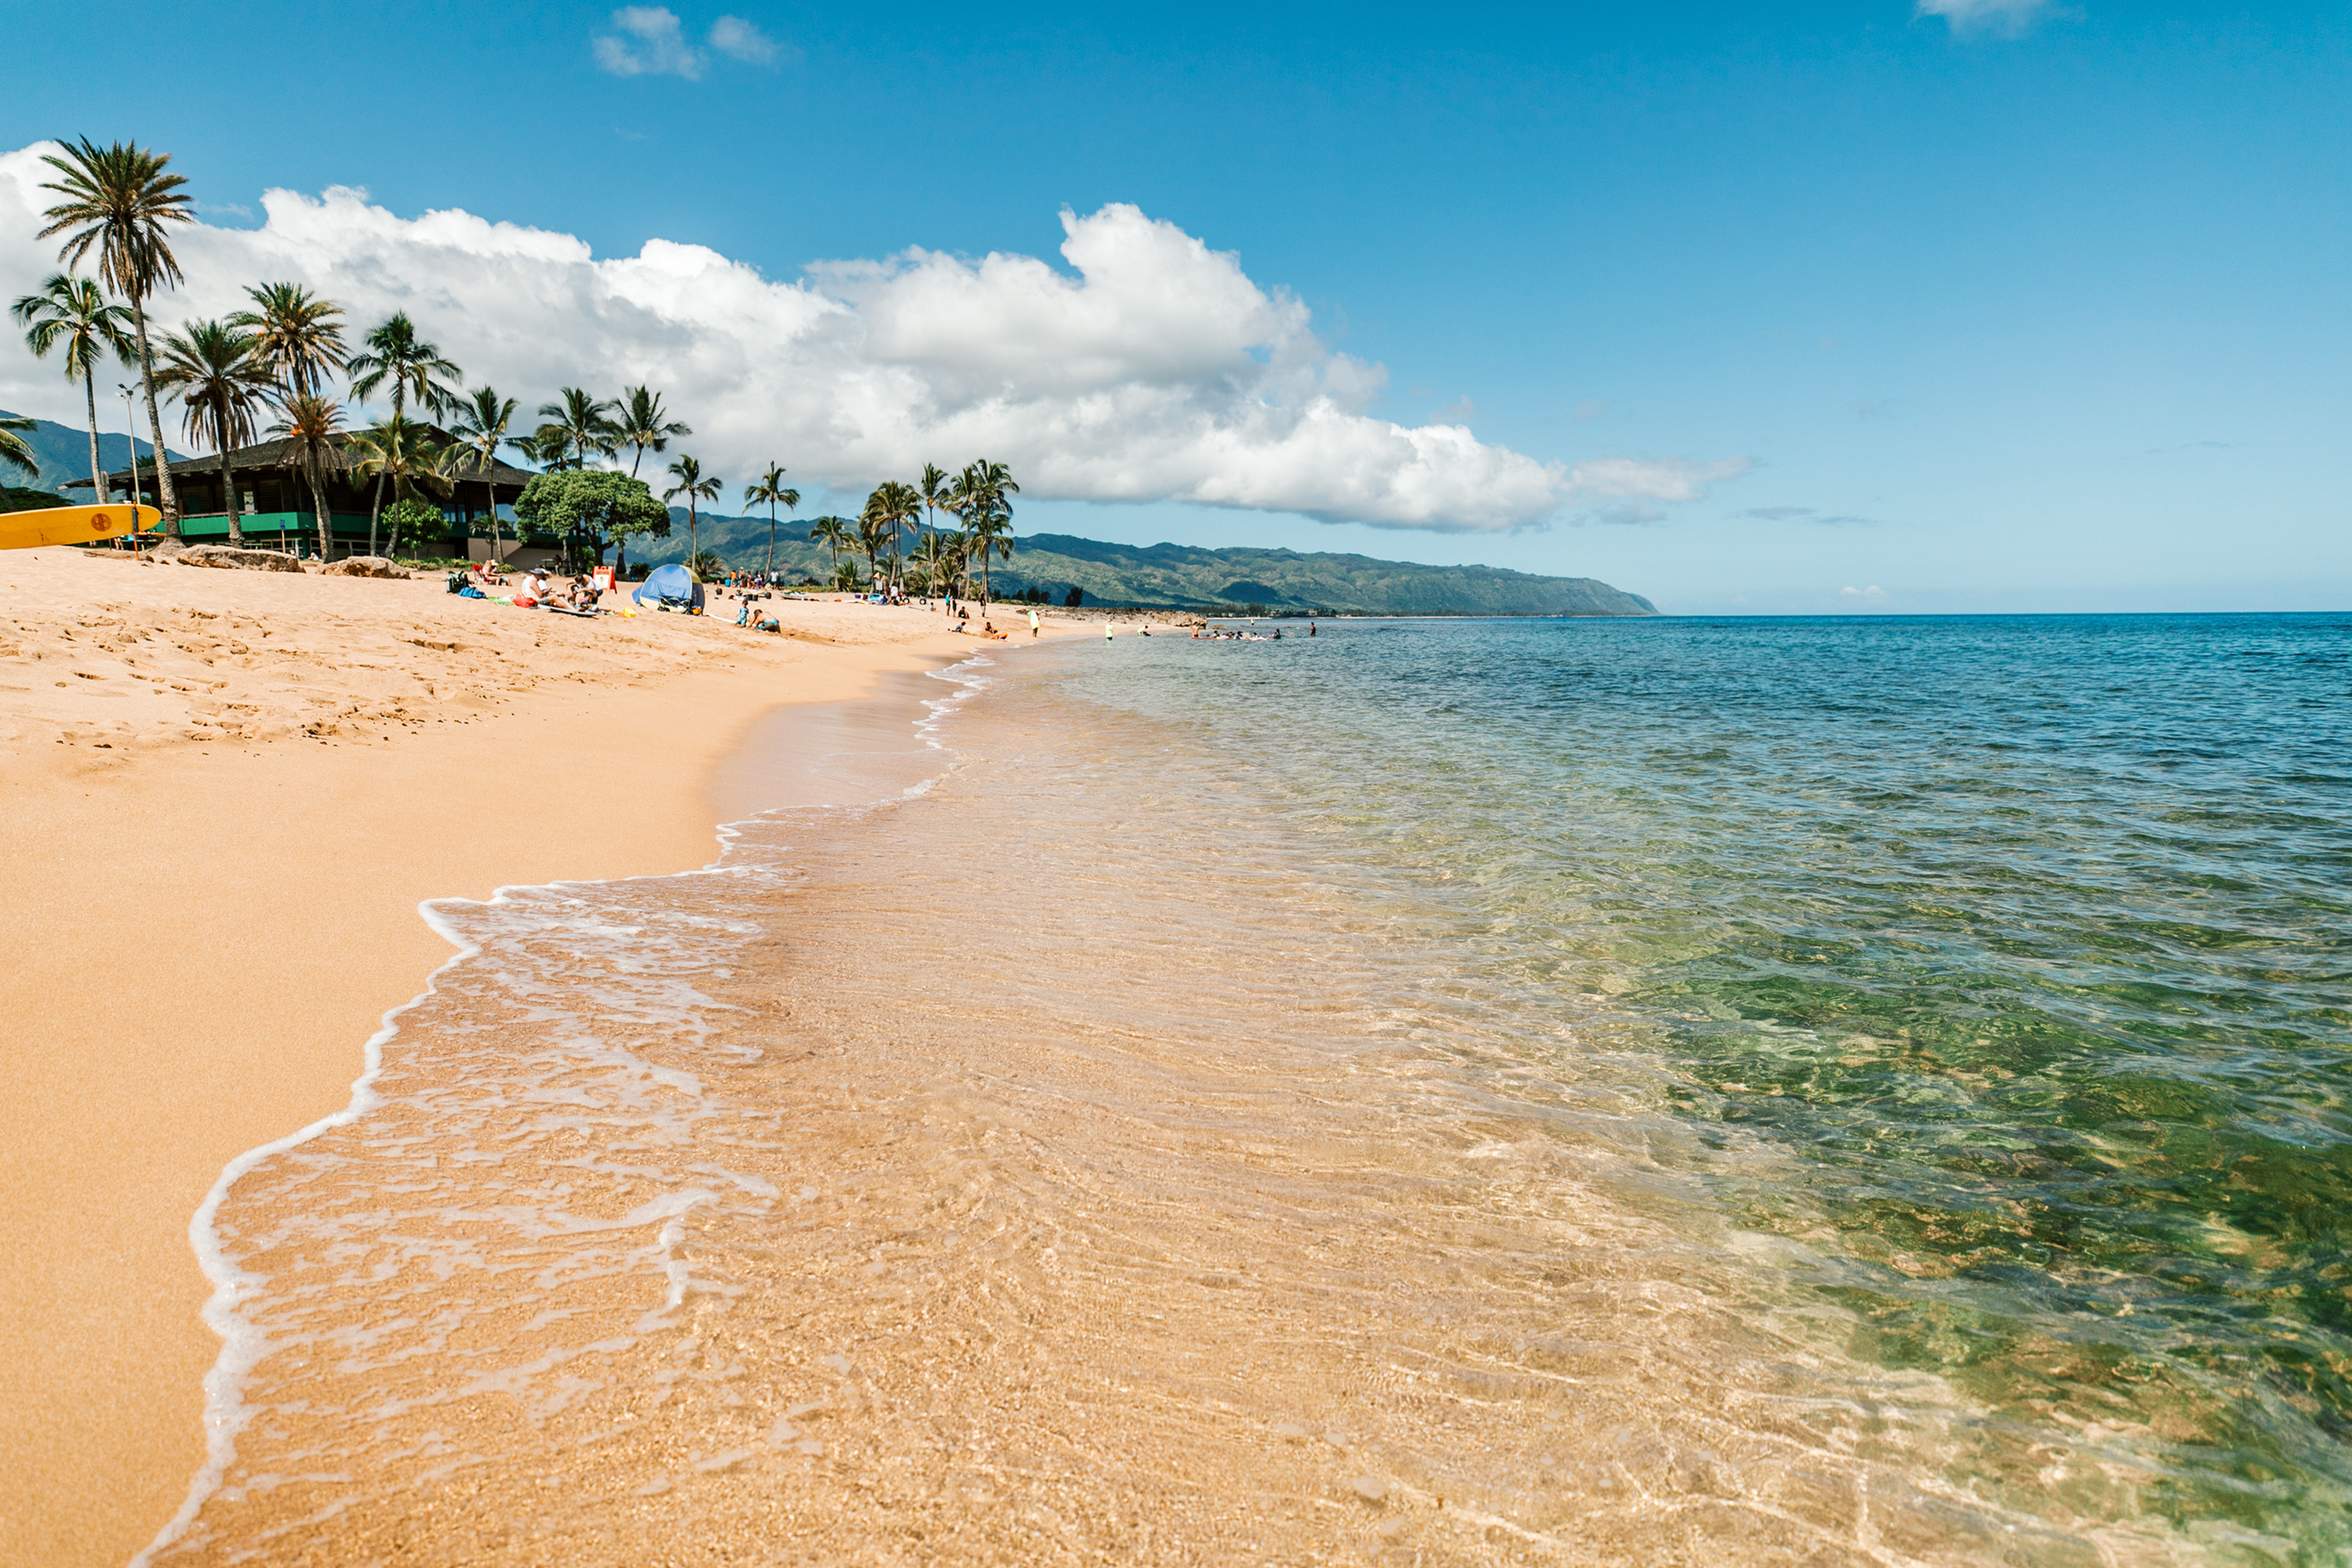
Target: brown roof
x=278 y=455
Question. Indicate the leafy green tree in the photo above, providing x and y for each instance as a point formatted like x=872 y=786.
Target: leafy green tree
x=642 y=422
x=479 y=422
x=696 y=489
x=592 y=508
x=119 y=200
x=771 y=491
x=412 y=514
x=223 y=383
x=298 y=336
x=586 y=423
x=308 y=425
x=72 y=312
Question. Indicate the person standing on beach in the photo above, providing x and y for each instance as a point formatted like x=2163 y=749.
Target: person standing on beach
x=1033 y=625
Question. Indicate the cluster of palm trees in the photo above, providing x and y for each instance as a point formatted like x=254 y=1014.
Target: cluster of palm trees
x=278 y=358
x=978 y=499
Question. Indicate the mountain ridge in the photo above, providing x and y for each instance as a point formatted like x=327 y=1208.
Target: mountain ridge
x=64 y=452
x=1197 y=577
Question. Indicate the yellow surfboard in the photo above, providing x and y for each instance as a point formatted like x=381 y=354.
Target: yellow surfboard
x=74 y=524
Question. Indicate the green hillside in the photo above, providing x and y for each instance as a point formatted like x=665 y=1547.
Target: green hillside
x=1178 y=576
x=64 y=452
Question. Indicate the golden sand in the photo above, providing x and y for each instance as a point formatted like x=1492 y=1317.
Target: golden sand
x=227 y=792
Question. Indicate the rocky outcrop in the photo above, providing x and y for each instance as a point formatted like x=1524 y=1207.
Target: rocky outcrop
x=240 y=560
x=363 y=566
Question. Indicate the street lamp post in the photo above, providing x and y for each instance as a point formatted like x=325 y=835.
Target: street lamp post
x=131 y=423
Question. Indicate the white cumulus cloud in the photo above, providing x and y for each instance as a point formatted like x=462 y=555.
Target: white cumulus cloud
x=2007 y=16
x=647 y=41
x=743 y=40
x=1151 y=367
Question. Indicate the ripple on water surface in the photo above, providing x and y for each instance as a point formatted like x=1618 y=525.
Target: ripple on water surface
x=1660 y=1092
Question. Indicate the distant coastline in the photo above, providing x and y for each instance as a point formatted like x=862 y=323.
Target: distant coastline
x=1200 y=581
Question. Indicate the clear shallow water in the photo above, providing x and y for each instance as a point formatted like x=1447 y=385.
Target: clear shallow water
x=2026 y=942
x=1806 y=1092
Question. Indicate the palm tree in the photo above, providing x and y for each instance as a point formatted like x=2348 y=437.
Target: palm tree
x=73 y=311
x=549 y=446
x=979 y=498
x=221 y=380
x=309 y=423
x=942 y=558
x=481 y=425
x=396 y=451
x=586 y=423
x=13 y=447
x=118 y=199
x=834 y=533
x=932 y=489
x=299 y=338
x=393 y=352
x=433 y=466
x=643 y=422
x=694 y=488
x=895 y=506
x=772 y=490
x=874 y=533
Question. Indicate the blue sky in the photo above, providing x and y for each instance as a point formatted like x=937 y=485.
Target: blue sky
x=2042 y=308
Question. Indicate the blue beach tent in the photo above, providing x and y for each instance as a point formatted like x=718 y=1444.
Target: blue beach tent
x=673 y=586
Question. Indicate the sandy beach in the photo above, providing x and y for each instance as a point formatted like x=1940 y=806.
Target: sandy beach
x=228 y=791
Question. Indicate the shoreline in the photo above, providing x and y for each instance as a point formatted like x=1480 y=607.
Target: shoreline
x=215 y=915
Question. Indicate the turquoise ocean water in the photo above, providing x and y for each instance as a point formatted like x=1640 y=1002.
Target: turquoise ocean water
x=2022 y=944
x=1822 y=1092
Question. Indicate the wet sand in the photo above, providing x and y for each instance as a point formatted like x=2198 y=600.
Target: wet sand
x=1067 y=1162
x=228 y=791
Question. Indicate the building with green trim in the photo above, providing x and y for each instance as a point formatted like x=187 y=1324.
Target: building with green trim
x=275 y=510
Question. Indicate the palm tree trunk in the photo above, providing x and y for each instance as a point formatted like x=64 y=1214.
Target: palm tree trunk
x=375 y=510
x=393 y=543
x=491 y=490
x=228 y=475
x=319 y=509
x=693 y=543
x=768 y=572
x=167 y=500
x=97 y=469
